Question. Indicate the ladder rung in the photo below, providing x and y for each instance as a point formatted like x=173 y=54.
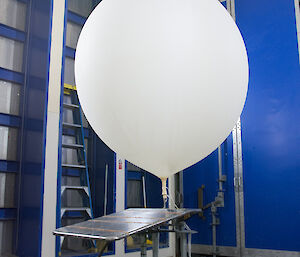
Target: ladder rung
x=76 y=208
x=71 y=125
x=71 y=106
x=66 y=145
x=83 y=188
x=73 y=166
x=75 y=187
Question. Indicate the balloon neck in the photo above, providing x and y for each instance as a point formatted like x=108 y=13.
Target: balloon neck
x=164 y=190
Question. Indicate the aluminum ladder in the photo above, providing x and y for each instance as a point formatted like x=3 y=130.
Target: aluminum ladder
x=74 y=180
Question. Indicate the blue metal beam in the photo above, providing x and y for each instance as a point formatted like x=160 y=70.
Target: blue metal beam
x=12 y=33
x=70 y=52
x=224 y=4
x=10 y=120
x=74 y=17
x=34 y=124
x=9 y=166
x=8 y=213
x=12 y=76
x=32 y=141
x=71 y=132
x=134 y=175
x=15 y=121
x=74 y=214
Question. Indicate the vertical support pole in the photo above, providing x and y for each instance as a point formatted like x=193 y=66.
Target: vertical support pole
x=183 y=241
x=231 y=7
x=241 y=186
x=120 y=196
x=155 y=244
x=144 y=192
x=143 y=246
x=238 y=186
x=236 y=189
x=52 y=179
x=190 y=244
x=220 y=168
x=238 y=171
x=214 y=231
x=105 y=189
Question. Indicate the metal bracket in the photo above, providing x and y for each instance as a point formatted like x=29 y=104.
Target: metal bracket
x=223 y=178
x=237 y=182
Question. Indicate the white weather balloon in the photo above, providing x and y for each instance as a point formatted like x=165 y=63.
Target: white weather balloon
x=162 y=82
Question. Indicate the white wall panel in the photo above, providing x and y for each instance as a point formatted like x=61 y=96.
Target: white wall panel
x=9 y=97
x=13 y=14
x=6 y=237
x=81 y=7
x=11 y=53
x=72 y=34
x=7 y=190
x=69 y=76
x=8 y=143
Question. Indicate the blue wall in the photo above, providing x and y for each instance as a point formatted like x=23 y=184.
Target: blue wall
x=270 y=137
x=33 y=130
x=271 y=125
x=102 y=156
x=206 y=173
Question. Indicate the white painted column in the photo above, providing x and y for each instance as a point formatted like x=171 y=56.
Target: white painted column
x=52 y=136
x=297 y=15
x=120 y=197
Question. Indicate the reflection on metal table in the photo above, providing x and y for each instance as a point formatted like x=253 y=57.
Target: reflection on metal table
x=122 y=224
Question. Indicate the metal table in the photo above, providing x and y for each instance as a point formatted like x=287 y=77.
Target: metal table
x=122 y=224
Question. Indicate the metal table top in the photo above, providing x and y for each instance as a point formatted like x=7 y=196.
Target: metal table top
x=123 y=224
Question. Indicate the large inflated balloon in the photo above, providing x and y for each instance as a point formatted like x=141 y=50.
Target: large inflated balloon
x=162 y=82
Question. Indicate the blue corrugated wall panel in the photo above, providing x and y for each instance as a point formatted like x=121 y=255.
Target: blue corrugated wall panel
x=270 y=137
x=271 y=125
x=206 y=173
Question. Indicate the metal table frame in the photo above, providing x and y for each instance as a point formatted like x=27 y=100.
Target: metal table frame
x=138 y=222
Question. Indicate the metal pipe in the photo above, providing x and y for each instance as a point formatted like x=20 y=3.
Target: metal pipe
x=214 y=234
x=183 y=241
x=219 y=202
x=232 y=9
x=155 y=244
x=143 y=246
x=102 y=249
x=144 y=192
x=190 y=244
x=105 y=189
x=220 y=168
